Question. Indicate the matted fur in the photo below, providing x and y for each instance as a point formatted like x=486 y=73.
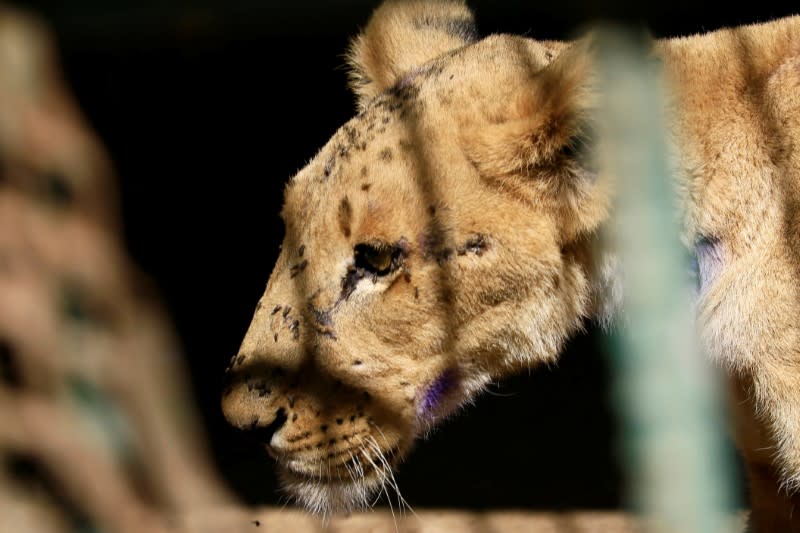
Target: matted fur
x=445 y=237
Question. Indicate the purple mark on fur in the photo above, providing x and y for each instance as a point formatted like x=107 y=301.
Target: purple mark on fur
x=710 y=257
x=436 y=391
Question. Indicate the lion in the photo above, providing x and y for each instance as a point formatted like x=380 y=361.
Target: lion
x=447 y=236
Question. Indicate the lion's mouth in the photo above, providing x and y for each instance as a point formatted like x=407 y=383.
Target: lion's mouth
x=356 y=464
x=325 y=487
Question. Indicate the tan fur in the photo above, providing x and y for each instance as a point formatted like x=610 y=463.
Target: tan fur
x=457 y=168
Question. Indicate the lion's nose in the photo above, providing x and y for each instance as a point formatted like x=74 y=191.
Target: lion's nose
x=251 y=403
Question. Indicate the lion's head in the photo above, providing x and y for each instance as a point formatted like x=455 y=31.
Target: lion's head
x=438 y=241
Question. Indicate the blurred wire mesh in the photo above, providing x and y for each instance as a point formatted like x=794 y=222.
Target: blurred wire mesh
x=93 y=398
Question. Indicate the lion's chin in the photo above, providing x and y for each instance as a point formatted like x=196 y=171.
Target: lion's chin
x=325 y=497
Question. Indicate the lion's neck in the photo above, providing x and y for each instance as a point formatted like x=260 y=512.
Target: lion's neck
x=730 y=93
x=710 y=88
x=731 y=58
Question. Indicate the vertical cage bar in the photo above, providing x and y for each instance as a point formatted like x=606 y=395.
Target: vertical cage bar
x=665 y=393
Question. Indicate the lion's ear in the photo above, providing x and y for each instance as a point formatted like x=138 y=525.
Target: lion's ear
x=539 y=142
x=547 y=110
x=402 y=35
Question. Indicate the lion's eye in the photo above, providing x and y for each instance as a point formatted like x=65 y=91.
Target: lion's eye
x=377 y=257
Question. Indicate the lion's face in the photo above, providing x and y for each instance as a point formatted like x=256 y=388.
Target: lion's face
x=414 y=269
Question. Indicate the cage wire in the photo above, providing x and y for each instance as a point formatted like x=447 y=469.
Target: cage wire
x=665 y=394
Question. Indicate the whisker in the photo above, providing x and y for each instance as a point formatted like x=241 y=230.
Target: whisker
x=388 y=469
x=378 y=470
x=388 y=498
x=358 y=486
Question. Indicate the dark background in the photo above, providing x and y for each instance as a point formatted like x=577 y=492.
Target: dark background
x=192 y=99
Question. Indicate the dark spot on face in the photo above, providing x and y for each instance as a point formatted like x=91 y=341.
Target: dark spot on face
x=350 y=280
x=294 y=417
x=324 y=427
x=443 y=255
x=321 y=317
x=326 y=172
x=275 y=337
x=322 y=321
x=433 y=247
x=301 y=250
x=364 y=172
x=345 y=214
x=477 y=244
x=386 y=154
x=256 y=523
x=416 y=293
x=357 y=362
x=367 y=397
x=432 y=209
x=365 y=187
x=407 y=276
x=339 y=421
x=287 y=310
x=240 y=360
x=294 y=270
x=259 y=386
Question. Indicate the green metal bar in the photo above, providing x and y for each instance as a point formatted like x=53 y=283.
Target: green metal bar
x=665 y=391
